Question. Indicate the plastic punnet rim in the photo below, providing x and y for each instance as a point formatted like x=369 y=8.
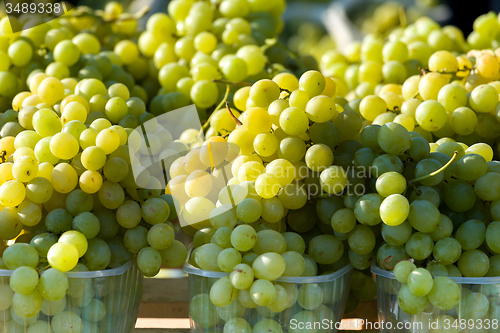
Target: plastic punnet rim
x=460 y=280
x=190 y=269
x=88 y=275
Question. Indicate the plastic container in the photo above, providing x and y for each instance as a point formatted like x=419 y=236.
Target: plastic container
x=325 y=314
x=97 y=302
x=478 y=310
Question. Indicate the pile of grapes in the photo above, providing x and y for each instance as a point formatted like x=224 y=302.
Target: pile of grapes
x=389 y=159
x=72 y=90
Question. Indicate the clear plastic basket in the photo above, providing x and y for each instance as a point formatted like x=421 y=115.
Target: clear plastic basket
x=100 y=302
x=326 y=316
x=479 y=313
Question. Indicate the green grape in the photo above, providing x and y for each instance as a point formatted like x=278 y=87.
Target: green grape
x=447 y=251
x=203 y=236
x=394 y=209
x=372 y=106
x=445 y=293
x=483 y=98
x=410 y=303
x=394 y=138
x=128 y=215
x=419 y=246
x=29 y=213
x=155 y=210
x=12 y=193
x=424 y=216
x=390 y=183
x=491 y=233
x=470 y=167
x=293 y=121
x=63 y=256
x=385 y=163
x=272 y=210
x=20 y=254
x=66 y=321
x=79 y=202
x=420 y=282
x=75 y=238
x=343 y=220
x=269 y=266
x=361 y=240
x=459 y=195
x=228 y=259
x=431 y=115
x=487 y=187
x=463 y=121
x=237 y=324
x=149 y=261
x=319 y=157
x=294 y=242
x=396 y=235
x=262 y=293
x=98 y=255
x=42 y=243
x=363 y=158
x=26 y=306
x=222 y=292
x=24 y=280
x=402 y=270
x=444 y=229
x=473 y=263
x=471 y=234
x=419 y=149
x=452 y=97
x=269 y=241
x=249 y=210
x=333 y=179
x=367 y=209
x=295 y=264
x=161 y=236
x=326 y=249
x=86 y=223
x=426 y=167
x=53 y=285
x=223 y=216
x=291 y=148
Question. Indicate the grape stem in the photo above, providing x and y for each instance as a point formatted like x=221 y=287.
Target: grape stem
x=233 y=83
x=435 y=172
x=221 y=104
x=236 y=120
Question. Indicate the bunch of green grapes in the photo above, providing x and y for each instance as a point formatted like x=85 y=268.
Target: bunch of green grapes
x=70 y=201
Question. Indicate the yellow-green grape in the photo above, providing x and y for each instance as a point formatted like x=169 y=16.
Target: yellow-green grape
x=463 y=121
x=257 y=120
x=293 y=121
x=29 y=213
x=320 y=109
x=333 y=179
x=250 y=171
x=452 y=97
x=267 y=186
x=372 y=106
x=283 y=170
x=443 y=61
x=312 y=82
x=63 y=256
x=12 y=193
x=343 y=220
x=26 y=306
x=242 y=138
x=482 y=149
x=53 y=285
x=222 y=292
x=75 y=238
x=64 y=146
x=262 y=292
x=51 y=90
x=430 y=84
x=265 y=144
x=264 y=92
x=64 y=178
x=319 y=157
x=390 y=183
x=90 y=181
x=25 y=168
x=108 y=140
x=431 y=115
x=394 y=209
x=46 y=122
x=74 y=111
x=253 y=57
x=299 y=99
x=483 y=98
